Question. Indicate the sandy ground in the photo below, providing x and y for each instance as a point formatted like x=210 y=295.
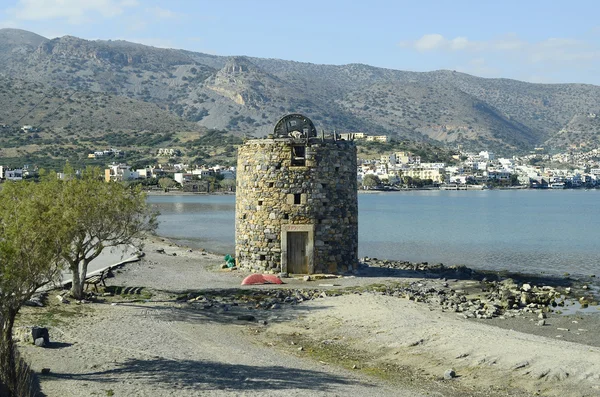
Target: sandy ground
x=146 y=342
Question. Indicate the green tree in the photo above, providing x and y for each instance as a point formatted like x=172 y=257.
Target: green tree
x=166 y=183
x=371 y=181
x=100 y=215
x=228 y=184
x=33 y=240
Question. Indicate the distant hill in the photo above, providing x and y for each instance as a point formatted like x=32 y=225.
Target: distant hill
x=72 y=124
x=248 y=95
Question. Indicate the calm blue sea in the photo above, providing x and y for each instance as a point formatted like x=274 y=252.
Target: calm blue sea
x=518 y=230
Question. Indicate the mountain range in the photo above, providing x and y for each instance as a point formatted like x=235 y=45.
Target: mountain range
x=130 y=88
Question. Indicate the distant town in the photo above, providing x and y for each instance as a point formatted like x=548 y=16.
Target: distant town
x=575 y=168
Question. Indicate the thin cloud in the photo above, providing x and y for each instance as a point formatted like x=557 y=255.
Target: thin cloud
x=72 y=11
x=163 y=13
x=554 y=49
x=435 y=41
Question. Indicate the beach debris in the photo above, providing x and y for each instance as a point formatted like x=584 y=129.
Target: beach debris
x=229 y=261
x=449 y=374
x=261 y=279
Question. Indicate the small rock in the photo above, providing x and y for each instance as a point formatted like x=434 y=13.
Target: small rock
x=520 y=365
x=276 y=306
x=300 y=349
x=541 y=322
x=526 y=287
x=174 y=254
x=45 y=371
x=306 y=278
x=34 y=303
x=542 y=315
x=40 y=342
x=62 y=299
x=449 y=374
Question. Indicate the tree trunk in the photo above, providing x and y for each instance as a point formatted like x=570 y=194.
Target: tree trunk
x=77 y=283
x=8 y=368
x=79 y=278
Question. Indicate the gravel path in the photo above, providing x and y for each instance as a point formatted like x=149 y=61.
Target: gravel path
x=163 y=346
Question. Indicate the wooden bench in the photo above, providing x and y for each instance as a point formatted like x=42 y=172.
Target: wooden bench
x=98 y=278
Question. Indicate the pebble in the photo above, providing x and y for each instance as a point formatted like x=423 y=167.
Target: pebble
x=449 y=374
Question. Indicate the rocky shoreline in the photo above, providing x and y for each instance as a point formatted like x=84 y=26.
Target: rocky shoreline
x=494 y=294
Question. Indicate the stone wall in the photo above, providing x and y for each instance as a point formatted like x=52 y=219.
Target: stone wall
x=318 y=194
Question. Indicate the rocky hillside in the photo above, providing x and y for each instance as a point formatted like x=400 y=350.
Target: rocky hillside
x=248 y=95
x=71 y=124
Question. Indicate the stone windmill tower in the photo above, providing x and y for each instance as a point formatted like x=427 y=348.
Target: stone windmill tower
x=296 y=201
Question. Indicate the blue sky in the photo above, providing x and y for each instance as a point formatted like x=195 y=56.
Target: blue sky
x=538 y=41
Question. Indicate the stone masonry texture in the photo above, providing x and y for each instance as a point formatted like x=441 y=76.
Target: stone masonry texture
x=273 y=191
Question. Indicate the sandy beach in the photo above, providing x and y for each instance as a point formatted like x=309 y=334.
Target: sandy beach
x=176 y=324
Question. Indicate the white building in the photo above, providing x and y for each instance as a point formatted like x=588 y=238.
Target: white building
x=13 y=175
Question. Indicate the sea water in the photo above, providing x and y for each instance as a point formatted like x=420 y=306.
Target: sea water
x=535 y=231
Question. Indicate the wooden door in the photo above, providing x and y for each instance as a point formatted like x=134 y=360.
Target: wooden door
x=296 y=252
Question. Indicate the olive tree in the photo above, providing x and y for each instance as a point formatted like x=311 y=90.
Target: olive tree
x=33 y=240
x=166 y=183
x=228 y=184
x=371 y=181
x=99 y=215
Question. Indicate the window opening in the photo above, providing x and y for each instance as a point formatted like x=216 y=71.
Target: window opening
x=298 y=156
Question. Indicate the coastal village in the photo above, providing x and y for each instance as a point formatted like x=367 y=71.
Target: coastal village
x=539 y=169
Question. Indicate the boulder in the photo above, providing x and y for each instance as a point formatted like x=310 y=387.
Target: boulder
x=40 y=332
